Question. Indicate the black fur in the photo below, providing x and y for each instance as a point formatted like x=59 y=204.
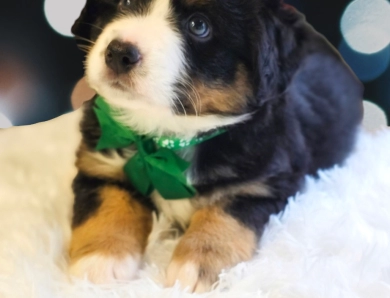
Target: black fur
x=306 y=102
x=89 y=126
x=98 y=13
x=87 y=200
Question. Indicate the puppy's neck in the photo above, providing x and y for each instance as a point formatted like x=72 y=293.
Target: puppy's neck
x=157 y=120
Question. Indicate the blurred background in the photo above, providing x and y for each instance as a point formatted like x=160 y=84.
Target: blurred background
x=40 y=64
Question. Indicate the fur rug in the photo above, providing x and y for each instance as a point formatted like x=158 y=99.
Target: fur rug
x=332 y=240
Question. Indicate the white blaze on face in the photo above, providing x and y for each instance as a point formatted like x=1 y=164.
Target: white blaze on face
x=162 y=64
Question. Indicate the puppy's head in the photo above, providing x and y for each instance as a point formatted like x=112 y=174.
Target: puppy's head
x=192 y=56
x=214 y=60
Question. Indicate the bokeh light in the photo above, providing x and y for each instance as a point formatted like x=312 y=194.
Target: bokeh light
x=61 y=14
x=19 y=86
x=374 y=116
x=367 y=67
x=4 y=121
x=366 y=25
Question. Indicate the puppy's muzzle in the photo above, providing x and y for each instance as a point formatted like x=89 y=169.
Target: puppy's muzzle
x=121 y=57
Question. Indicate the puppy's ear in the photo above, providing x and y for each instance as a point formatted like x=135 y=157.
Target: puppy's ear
x=94 y=16
x=296 y=63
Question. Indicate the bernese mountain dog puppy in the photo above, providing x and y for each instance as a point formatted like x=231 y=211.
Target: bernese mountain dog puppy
x=256 y=98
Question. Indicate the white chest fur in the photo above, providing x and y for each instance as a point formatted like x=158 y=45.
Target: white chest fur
x=179 y=211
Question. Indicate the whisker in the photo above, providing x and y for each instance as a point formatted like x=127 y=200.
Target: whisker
x=84 y=39
x=184 y=110
x=85 y=48
x=198 y=103
x=190 y=95
x=173 y=102
x=93 y=25
x=177 y=100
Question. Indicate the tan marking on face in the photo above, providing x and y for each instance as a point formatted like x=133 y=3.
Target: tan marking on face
x=96 y=164
x=214 y=241
x=120 y=227
x=218 y=97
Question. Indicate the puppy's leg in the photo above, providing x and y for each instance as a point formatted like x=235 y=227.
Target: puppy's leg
x=218 y=239
x=213 y=241
x=110 y=230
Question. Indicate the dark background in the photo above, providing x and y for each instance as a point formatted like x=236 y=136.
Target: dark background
x=39 y=67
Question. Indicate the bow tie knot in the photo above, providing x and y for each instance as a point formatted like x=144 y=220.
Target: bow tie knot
x=155 y=166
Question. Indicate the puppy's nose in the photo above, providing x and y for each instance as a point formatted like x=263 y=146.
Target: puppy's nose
x=121 y=57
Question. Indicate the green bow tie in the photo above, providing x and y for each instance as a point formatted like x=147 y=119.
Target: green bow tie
x=155 y=166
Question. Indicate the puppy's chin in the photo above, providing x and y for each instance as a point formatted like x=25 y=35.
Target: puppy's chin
x=121 y=82
x=117 y=84
x=126 y=98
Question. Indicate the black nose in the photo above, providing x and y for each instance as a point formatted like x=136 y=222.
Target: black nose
x=121 y=57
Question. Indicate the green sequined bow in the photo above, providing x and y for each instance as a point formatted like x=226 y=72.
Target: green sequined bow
x=155 y=166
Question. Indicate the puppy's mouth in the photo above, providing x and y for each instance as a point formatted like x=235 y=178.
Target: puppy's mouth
x=116 y=84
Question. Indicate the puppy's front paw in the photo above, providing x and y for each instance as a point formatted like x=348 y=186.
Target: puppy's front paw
x=213 y=242
x=102 y=269
x=108 y=245
x=195 y=276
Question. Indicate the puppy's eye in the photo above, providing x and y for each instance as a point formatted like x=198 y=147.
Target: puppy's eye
x=125 y=2
x=199 y=27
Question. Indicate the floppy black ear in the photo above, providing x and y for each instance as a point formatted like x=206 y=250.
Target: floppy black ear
x=94 y=16
x=304 y=79
x=296 y=61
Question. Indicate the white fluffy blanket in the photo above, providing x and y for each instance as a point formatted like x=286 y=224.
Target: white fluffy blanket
x=332 y=240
